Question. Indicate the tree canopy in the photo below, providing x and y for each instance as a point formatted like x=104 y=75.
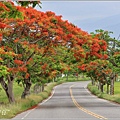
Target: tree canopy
x=36 y=46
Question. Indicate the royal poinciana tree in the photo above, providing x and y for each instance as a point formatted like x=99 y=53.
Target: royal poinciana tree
x=30 y=39
x=112 y=66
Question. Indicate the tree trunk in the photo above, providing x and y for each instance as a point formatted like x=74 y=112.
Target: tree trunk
x=93 y=81
x=27 y=88
x=116 y=77
x=54 y=79
x=83 y=75
x=8 y=88
x=67 y=76
x=42 y=87
x=107 y=88
x=112 y=79
x=101 y=88
x=37 y=88
x=77 y=75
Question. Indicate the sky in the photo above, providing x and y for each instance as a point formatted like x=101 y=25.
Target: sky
x=81 y=11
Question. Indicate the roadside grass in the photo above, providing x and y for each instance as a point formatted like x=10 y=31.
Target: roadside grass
x=10 y=110
x=117 y=87
x=114 y=98
x=17 y=93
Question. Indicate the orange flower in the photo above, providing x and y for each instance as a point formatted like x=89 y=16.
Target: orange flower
x=0 y=37
x=10 y=69
x=82 y=67
x=95 y=47
x=104 y=47
x=44 y=66
x=105 y=56
x=69 y=36
x=16 y=40
x=27 y=75
x=18 y=62
x=3 y=6
x=2 y=25
x=45 y=33
x=22 y=69
x=1 y=59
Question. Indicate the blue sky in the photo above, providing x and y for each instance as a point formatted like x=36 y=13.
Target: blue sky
x=81 y=10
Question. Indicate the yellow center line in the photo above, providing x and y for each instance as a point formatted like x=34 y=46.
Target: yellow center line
x=83 y=109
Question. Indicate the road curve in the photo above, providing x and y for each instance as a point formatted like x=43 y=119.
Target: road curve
x=72 y=101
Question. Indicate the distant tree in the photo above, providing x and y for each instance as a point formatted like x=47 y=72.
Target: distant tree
x=113 y=54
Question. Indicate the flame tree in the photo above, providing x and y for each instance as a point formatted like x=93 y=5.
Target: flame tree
x=34 y=36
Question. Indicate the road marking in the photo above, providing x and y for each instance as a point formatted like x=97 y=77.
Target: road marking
x=49 y=97
x=82 y=108
x=40 y=104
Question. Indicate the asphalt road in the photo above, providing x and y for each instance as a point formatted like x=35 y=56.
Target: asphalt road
x=72 y=101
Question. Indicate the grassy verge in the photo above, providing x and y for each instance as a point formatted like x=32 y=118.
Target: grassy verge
x=10 y=110
x=114 y=98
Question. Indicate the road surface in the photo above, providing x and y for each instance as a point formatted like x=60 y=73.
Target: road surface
x=72 y=101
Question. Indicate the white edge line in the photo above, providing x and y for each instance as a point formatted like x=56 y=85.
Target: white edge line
x=40 y=103
x=49 y=96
